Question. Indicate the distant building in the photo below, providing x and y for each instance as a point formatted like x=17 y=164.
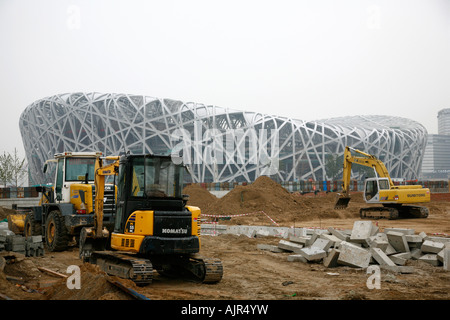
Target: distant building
x=436 y=161
x=217 y=144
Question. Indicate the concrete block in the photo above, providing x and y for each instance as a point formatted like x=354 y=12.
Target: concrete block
x=414 y=240
x=299 y=232
x=398 y=241
x=299 y=239
x=335 y=241
x=268 y=247
x=416 y=253
x=401 y=230
x=322 y=244
x=262 y=233
x=379 y=243
x=400 y=258
x=331 y=260
x=289 y=246
x=313 y=238
x=430 y=258
x=381 y=257
x=313 y=254
x=431 y=246
x=297 y=258
x=354 y=256
x=362 y=230
x=446 y=261
x=339 y=234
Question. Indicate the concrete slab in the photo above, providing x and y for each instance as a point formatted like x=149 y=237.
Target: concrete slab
x=354 y=256
x=313 y=254
x=446 y=261
x=430 y=258
x=379 y=243
x=405 y=231
x=322 y=244
x=297 y=258
x=335 y=241
x=400 y=258
x=414 y=240
x=331 y=260
x=299 y=239
x=381 y=257
x=268 y=247
x=416 y=253
x=398 y=241
x=429 y=246
x=339 y=234
x=399 y=269
x=362 y=230
x=289 y=246
x=313 y=238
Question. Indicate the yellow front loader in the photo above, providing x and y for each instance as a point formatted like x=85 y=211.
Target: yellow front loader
x=396 y=201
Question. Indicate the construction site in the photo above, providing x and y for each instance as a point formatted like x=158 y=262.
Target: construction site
x=273 y=244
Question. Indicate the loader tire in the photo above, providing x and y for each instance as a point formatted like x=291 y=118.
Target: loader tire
x=56 y=236
x=31 y=227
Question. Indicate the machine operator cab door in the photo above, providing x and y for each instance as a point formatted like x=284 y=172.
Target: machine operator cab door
x=372 y=187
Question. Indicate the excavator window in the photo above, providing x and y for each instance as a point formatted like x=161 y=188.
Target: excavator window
x=371 y=189
x=156 y=178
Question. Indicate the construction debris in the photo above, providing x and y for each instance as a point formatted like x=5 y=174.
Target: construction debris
x=29 y=246
x=362 y=246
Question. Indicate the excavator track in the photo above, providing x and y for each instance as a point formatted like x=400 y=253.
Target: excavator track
x=392 y=213
x=127 y=266
x=206 y=270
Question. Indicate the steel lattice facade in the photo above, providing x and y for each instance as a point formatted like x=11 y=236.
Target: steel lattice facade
x=217 y=144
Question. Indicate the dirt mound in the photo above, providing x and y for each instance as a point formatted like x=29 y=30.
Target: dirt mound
x=198 y=196
x=94 y=286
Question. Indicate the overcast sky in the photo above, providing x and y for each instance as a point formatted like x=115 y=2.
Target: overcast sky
x=303 y=59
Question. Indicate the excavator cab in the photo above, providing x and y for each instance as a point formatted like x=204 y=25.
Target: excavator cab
x=154 y=229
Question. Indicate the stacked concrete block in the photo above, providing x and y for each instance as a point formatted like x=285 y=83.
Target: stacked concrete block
x=30 y=247
x=34 y=246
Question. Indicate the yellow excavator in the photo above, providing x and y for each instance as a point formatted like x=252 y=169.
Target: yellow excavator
x=154 y=229
x=398 y=201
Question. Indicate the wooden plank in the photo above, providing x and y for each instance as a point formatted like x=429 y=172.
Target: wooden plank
x=51 y=272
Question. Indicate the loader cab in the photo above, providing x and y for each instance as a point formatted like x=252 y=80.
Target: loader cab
x=72 y=168
x=149 y=183
x=372 y=187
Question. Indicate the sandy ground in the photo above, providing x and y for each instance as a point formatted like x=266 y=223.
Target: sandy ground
x=252 y=274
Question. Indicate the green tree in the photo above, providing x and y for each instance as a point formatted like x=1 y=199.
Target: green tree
x=334 y=164
x=6 y=172
x=18 y=168
x=12 y=168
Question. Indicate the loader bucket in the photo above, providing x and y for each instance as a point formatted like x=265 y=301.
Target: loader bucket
x=16 y=223
x=342 y=203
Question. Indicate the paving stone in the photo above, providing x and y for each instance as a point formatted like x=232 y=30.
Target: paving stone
x=429 y=246
x=354 y=256
x=313 y=254
x=398 y=241
x=331 y=260
x=381 y=257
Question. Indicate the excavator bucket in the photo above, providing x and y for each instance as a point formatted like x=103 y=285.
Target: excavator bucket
x=342 y=203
